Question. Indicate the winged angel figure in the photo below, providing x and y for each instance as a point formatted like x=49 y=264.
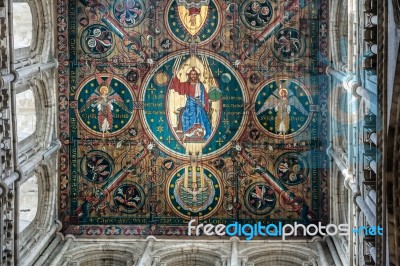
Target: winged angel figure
x=281 y=101
x=103 y=99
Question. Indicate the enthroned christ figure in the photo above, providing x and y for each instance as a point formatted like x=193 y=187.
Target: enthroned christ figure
x=193 y=118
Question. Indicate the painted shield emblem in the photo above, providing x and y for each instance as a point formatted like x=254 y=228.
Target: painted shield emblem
x=193 y=17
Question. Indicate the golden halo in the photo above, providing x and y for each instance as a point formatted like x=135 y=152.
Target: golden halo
x=104 y=90
x=281 y=90
x=195 y=68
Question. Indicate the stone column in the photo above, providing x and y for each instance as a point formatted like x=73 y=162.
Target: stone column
x=340 y=250
x=372 y=251
x=36 y=68
x=61 y=253
x=342 y=167
x=340 y=76
x=49 y=250
x=334 y=252
x=234 y=251
x=32 y=255
x=321 y=252
x=373 y=138
x=372 y=195
x=372 y=165
x=145 y=259
x=371 y=205
x=369 y=215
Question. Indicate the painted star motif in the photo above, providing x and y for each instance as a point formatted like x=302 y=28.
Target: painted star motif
x=160 y=129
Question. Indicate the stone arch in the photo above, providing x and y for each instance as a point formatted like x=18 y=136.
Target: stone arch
x=117 y=254
x=45 y=114
x=181 y=255
x=279 y=254
x=339 y=112
x=340 y=197
x=41 y=43
x=45 y=215
x=338 y=27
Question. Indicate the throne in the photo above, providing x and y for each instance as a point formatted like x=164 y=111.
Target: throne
x=198 y=134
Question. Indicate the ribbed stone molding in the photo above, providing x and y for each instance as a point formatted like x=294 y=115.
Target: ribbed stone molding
x=145 y=259
x=321 y=252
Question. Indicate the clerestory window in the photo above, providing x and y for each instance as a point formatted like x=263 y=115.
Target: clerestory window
x=22 y=25
x=28 y=202
x=26 y=114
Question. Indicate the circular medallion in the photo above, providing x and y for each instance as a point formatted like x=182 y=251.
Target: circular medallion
x=96 y=166
x=105 y=105
x=184 y=122
x=155 y=205
x=97 y=41
x=129 y=197
x=168 y=164
x=133 y=76
x=289 y=45
x=219 y=163
x=161 y=78
x=291 y=169
x=194 y=191
x=256 y=14
x=283 y=108
x=260 y=199
x=200 y=23
x=129 y=13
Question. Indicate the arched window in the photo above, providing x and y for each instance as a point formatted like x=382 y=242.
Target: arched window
x=103 y=262
x=28 y=202
x=343 y=28
x=26 y=114
x=22 y=25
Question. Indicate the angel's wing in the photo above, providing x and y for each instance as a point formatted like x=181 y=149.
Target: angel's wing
x=101 y=81
x=270 y=103
x=286 y=84
x=202 y=189
x=187 y=190
x=91 y=100
x=118 y=100
x=296 y=103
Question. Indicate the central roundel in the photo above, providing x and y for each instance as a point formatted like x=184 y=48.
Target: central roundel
x=194 y=191
x=194 y=105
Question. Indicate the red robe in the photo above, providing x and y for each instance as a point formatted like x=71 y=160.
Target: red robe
x=187 y=88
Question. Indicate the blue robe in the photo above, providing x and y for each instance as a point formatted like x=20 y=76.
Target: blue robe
x=195 y=114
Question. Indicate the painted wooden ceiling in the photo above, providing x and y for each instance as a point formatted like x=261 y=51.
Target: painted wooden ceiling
x=191 y=109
